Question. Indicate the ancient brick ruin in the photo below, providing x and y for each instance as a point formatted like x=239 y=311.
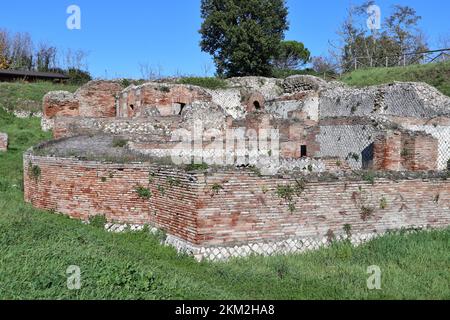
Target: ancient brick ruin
x=262 y=166
x=3 y=141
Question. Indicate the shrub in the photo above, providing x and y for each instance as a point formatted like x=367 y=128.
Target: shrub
x=164 y=89
x=35 y=171
x=366 y=212
x=78 y=77
x=143 y=192
x=173 y=182
x=208 y=83
x=98 y=221
x=119 y=142
x=216 y=188
x=196 y=167
x=348 y=230
x=369 y=177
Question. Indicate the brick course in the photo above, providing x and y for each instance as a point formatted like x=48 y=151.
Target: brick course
x=231 y=207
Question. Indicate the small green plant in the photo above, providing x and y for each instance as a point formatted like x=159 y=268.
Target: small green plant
x=286 y=192
x=338 y=163
x=264 y=189
x=348 y=230
x=366 y=212
x=256 y=171
x=164 y=89
x=353 y=155
x=173 y=182
x=405 y=152
x=331 y=237
x=216 y=188
x=310 y=168
x=281 y=268
x=197 y=167
x=161 y=190
x=383 y=203
x=448 y=164
x=208 y=83
x=35 y=171
x=291 y=207
x=143 y=192
x=369 y=177
x=103 y=179
x=98 y=221
x=119 y=142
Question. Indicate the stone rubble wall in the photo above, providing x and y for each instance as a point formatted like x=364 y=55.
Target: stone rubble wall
x=95 y=99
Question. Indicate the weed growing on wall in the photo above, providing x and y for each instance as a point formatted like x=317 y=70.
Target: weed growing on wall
x=119 y=142
x=34 y=171
x=287 y=192
x=369 y=177
x=197 y=167
x=143 y=192
x=348 y=230
x=383 y=203
x=366 y=212
x=216 y=188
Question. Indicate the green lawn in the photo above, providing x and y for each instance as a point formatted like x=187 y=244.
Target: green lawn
x=37 y=247
x=435 y=74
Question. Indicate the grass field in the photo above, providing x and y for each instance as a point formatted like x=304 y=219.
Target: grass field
x=37 y=247
x=435 y=74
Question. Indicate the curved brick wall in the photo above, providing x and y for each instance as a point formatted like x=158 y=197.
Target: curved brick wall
x=229 y=208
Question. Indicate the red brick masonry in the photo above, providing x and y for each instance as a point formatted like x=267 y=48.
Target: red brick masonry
x=232 y=207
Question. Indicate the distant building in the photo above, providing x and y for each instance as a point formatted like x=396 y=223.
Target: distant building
x=13 y=75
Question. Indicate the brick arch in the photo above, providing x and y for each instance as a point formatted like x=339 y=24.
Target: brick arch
x=255 y=102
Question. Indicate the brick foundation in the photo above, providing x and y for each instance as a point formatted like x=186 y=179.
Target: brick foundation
x=235 y=208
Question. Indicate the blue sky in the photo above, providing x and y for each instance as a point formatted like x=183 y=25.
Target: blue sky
x=120 y=35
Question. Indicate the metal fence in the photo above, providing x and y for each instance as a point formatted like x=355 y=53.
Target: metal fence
x=402 y=60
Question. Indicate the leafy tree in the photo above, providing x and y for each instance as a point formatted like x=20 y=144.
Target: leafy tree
x=399 y=35
x=291 y=55
x=45 y=57
x=243 y=35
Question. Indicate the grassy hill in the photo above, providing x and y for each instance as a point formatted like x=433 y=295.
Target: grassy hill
x=37 y=247
x=28 y=96
x=435 y=74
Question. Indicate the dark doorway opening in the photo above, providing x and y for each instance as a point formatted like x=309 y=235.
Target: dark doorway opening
x=257 y=105
x=303 y=151
x=367 y=157
x=182 y=106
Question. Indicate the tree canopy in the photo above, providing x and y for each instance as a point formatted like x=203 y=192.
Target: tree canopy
x=243 y=35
